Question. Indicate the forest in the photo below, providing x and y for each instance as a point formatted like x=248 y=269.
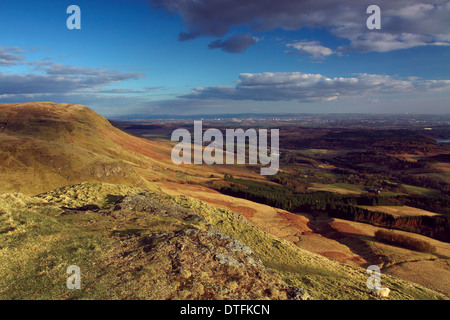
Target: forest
x=344 y=206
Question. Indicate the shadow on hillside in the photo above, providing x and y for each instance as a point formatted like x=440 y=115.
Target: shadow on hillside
x=356 y=244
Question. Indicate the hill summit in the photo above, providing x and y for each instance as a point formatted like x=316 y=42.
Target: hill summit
x=47 y=145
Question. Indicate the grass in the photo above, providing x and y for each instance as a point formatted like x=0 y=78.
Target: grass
x=322 y=277
x=401 y=240
x=35 y=255
x=316 y=152
x=342 y=188
x=100 y=194
x=47 y=145
x=420 y=191
x=39 y=243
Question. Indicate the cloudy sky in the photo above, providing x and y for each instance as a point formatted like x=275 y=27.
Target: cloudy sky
x=177 y=57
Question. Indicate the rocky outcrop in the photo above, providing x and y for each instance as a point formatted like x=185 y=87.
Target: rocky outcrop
x=196 y=262
x=203 y=264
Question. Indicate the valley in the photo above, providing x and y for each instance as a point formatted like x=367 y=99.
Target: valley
x=396 y=173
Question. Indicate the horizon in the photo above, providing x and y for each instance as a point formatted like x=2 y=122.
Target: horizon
x=169 y=58
x=273 y=115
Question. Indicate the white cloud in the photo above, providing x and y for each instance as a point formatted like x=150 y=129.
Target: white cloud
x=312 y=48
x=385 y=42
x=306 y=87
x=59 y=78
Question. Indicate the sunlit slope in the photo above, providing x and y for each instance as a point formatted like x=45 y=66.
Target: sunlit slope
x=129 y=249
x=127 y=242
x=344 y=241
x=46 y=145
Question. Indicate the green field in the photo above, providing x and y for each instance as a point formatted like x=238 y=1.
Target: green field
x=421 y=191
x=342 y=188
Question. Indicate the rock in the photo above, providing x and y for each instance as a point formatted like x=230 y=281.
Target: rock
x=152 y=205
x=296 y=293
x=195 y=219
x=228 y=260
x=381 y=292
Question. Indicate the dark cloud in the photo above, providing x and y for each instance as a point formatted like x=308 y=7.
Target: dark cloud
x=405 y=24
x=184 y=36
x=235 y=44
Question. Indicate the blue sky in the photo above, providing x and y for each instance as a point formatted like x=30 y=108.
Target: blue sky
x=210 y=56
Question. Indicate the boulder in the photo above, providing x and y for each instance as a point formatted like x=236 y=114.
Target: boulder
x=381 y=292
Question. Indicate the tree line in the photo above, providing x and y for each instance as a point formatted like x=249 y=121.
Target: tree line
x=342 y=206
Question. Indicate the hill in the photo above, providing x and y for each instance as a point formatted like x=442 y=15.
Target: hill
x=131 y=243
x=46 y=145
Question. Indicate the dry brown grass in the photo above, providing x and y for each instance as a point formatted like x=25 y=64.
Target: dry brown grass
x=283 y=224
x=295 y=228
x=391 y=237
x=430 y=270
x=45 y=145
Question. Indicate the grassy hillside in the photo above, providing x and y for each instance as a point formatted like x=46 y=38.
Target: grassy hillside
x=127 y=244
x=46 y=145
x=140 y=245
x=323 y=278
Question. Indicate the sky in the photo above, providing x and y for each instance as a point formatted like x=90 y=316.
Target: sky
x=184 y=57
